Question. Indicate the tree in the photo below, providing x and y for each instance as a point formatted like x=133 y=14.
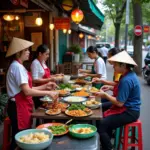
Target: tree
x=138 y=40
x=115 y=11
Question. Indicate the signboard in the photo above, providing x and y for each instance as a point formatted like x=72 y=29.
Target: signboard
x=15 y=2
x=146 y=29
x=62 y=23
x=138 y=30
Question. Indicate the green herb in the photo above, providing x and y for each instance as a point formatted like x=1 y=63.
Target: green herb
x=57 y=129
x=76 y=107
x=67 y=85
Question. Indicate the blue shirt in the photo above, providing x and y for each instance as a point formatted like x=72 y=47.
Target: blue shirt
x=129 y=91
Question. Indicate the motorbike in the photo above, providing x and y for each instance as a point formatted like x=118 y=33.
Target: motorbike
x=146 y=73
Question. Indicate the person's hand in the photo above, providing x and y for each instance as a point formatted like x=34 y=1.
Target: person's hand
x=105 y=88
x=54 y=95
x=85 y=75
x=95 y=80
x=98 y=80
x=51 y=86
x=52 y=79
x=81 y=70
x=101 y=94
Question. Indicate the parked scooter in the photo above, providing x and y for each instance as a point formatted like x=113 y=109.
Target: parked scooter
x=146 y=73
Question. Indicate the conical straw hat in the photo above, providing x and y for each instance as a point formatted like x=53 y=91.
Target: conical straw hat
x=123 y=57
x=17 y=45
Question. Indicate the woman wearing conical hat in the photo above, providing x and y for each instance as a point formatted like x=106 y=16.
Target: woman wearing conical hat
x=19 y=88
x=126 y=104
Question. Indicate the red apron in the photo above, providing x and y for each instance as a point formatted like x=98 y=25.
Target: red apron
x=24 y=105
x=47 y=72
x=115 y=109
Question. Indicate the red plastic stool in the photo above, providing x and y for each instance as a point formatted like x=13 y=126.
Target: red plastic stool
x=135 y=142
x=6 y=134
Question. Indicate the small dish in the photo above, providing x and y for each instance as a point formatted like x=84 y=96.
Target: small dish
x=78 y=88
x=53 y=112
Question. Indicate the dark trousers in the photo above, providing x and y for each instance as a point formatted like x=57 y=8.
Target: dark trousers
x=12 y=113
x=106 y=125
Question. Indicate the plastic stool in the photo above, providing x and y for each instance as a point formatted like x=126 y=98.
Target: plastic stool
x=134 y=141
x=6 y=134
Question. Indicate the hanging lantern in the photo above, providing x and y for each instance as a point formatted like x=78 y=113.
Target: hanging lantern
x=39 y=21
x=64 y=30
x=17 y=18
x=77 y=15
x=89 y=37
x=81 y=35
x=69 y=31
x=8 y=17
x=51 y=26
x=67 y=5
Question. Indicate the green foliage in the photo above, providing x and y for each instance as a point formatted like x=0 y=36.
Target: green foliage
x=76 y=107
x=75 y=48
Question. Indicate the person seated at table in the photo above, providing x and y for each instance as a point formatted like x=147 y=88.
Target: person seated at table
x=126 y=104
x=20 y=89
x=105 y=103
x=98 y=68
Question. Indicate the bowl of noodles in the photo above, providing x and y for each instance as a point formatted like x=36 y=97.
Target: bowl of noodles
x=34 y=139
x=82 y=131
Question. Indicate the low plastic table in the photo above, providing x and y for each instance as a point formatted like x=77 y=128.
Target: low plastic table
x=69 y=143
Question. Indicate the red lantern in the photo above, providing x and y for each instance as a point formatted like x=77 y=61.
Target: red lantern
x=77 y=15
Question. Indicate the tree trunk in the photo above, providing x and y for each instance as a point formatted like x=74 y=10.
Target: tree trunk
x=138 y=40
x=117 y=32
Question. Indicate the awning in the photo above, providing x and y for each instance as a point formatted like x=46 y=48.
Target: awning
x=93 y=17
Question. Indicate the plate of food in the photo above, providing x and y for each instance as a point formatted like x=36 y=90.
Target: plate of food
x=67 y=87
x=93 y=90
x=80 y=81
x=46 y=99
x=54 y=111
x=63 y=93
x=58 y=129
x=92 y=103
x=78 y=110
x=74 y=99
x=81 y=93
x=79 y=113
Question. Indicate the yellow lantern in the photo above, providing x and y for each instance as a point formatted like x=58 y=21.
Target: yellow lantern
x=77 y=15
x=39 y=21
x=69 y=31
x=81 y=35
x=51 y=26
x=67 y=5
x=89 y=37
x=64 y=30
x=8 y=17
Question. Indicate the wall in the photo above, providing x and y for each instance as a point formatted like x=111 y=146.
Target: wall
x=62 y=45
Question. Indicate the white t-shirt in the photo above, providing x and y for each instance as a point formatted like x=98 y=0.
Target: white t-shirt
x=16 y=76
x=100 y=68
x=104 y=51
x=37 y=69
